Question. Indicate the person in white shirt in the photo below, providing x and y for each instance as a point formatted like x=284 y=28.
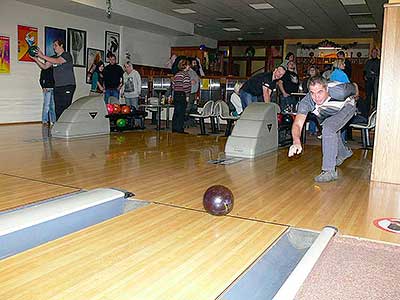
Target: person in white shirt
x=132 y=85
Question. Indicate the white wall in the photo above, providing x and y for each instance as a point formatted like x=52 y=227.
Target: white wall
x=20 y=97
x=196 y=40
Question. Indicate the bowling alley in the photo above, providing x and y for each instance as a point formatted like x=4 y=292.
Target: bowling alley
x=199 y=149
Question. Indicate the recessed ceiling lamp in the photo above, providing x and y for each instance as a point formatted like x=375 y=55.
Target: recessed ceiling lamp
x=184 y=11
x=366 y=26
x=294 y=27
x=231 y=29
x=261 y=5
x=353 y=2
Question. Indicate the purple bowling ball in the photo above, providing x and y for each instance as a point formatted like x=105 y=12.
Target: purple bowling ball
x=218 y=200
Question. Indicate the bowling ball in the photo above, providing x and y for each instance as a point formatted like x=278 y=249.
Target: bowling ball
x=280 y=118
x=110 y=108
x=126 y=109
x=33 y=51
x=218 y=200
x=116 y=108
x=287 y=120
x=121 y=123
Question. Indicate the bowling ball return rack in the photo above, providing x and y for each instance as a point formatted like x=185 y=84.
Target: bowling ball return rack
x=134 y=120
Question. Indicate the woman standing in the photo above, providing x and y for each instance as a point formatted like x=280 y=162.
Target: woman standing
x=181 y=84
x=97 y=80
x=64 y=78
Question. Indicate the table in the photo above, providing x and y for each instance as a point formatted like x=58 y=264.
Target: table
x=159 y=107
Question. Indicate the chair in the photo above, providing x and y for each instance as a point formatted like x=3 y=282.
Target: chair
x=207 y=112
x=154 y=110
x=365 y=128
x=224 y=114
x=215 y=126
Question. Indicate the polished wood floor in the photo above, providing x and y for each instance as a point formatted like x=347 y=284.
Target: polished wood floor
x=172 y=249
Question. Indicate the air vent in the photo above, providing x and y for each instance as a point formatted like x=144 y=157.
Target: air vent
x=181 y=2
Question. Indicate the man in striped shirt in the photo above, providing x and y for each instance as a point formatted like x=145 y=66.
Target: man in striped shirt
x=334 y=108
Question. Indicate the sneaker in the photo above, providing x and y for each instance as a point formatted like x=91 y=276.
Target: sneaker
x=319 y=137
x=326 y=176
x=340 y=160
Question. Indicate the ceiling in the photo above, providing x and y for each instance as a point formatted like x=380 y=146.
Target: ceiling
x=320 y=18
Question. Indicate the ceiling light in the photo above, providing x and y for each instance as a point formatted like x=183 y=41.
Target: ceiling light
x=352 y=2
x=351 y=14
x=240 y=39
x=261 y=6
x=366 y=26
x=199 y=25
x=184 y=11
x=231 y=29
x=225 y=20
x=294 y=27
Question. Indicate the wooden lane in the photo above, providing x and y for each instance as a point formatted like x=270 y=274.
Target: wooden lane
x=173 y=169
x=15 y=192
x=155 y=252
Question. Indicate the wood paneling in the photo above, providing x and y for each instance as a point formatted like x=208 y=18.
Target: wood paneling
x=15 y=192
x=386 y=162
x=156 y=252
x=172 y=169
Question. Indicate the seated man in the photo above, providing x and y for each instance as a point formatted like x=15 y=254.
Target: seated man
x=333 y=109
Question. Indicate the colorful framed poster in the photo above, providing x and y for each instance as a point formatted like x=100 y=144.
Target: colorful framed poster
x=4 y=54
x=77 y=46
x=93 y=57
x=27 y=37
x=112 y=44
x=50 y=35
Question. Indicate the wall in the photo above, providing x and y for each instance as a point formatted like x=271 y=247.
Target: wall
x=20 y=97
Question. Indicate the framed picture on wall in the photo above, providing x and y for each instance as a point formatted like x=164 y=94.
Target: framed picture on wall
x=112 y=44
x=27 y=37
x=50 y=35
x=4 y=54
x=93 y=57
x=77 y=46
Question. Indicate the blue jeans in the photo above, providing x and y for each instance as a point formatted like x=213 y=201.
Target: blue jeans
x=111 y=93
x=132 y=102
x=247 y=98
x=48 y=110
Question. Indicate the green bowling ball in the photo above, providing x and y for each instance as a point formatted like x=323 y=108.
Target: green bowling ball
x=121 y=123
x=33 y=51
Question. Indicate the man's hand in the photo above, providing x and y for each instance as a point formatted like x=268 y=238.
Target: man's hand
x=295 y=149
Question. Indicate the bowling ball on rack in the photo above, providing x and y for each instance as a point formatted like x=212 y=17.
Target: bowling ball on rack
x=110 y=108
x=287 y=120
x=280 y=118
x=125 y=109
x=121 y=123
x=116 y=108
x=33 y=51
x=218 y=200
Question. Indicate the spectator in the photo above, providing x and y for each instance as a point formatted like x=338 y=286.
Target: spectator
x=290 y=58
x=288 y=84
x=194 y=73
x=338 y=73
x=113 y=78
x=327 y=71
x=347 y=63
x=182 y=86
x=260 y=85
x=371 y=71
x=311 y=71
x=97 y=80
x=132 y=85
x=47 y=84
